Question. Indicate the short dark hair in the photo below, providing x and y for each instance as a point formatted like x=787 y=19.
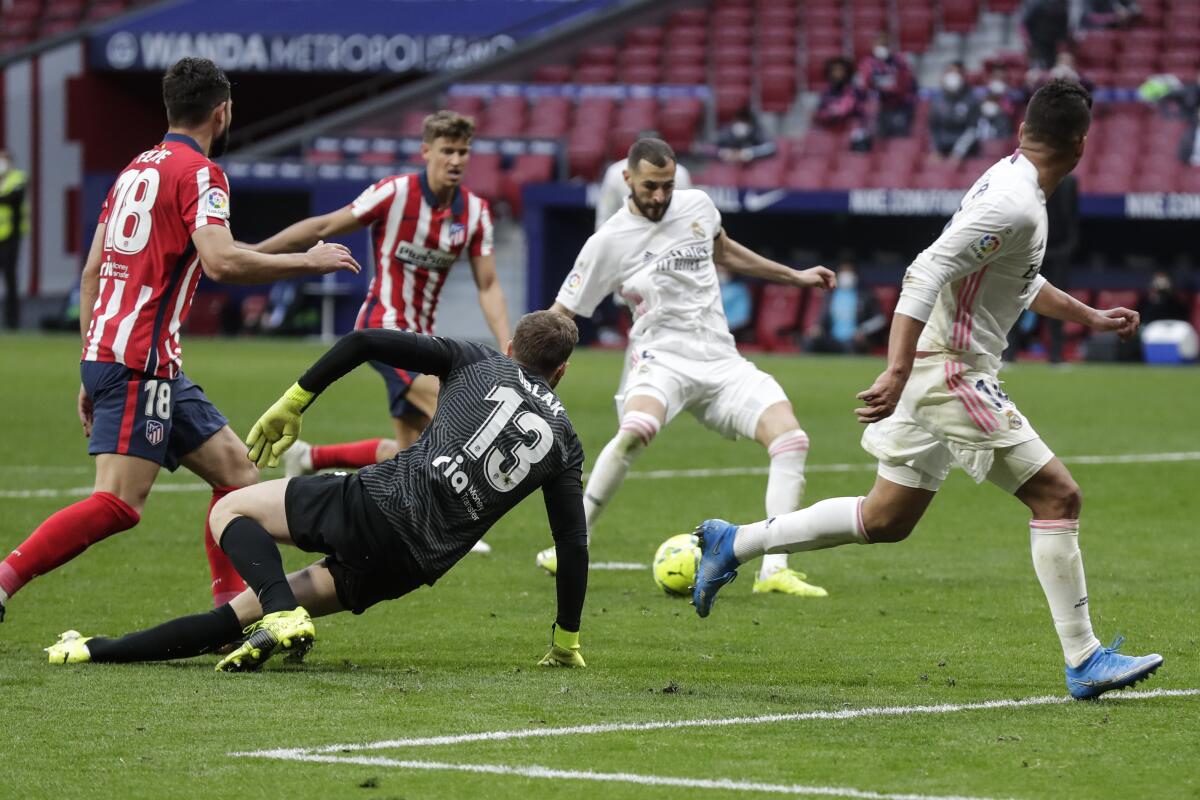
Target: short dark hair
x=192 y=88
x=446 y=124
x=1059 y=114
x=656 y=151
x=543 y=341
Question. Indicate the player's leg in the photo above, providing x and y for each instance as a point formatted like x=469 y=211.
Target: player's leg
x=787 y=448
x=1044 y=484
x=197 y=634
x=642 y=417
x=220 y=460
x=129 y=440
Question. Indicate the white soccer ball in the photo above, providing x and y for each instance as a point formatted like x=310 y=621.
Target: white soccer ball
x=675 y=564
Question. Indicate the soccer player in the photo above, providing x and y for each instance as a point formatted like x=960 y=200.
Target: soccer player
x=420 y=224
x=614 y=188
x=499 y=434
x=659 y=250
x=165 y=220
x=939 y=401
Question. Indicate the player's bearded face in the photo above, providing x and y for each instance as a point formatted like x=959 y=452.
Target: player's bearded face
x=220 y=142
x=651 y=188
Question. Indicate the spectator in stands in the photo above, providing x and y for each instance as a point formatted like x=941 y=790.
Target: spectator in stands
x=1189 y=145
x=953 y=116
x=743 y=139
x=997 y=114
x=13 y=225
x=736 y=300
x=1047 y=24
x=852 y=321
x=1062 y=237
x=889 y=82
x=1162 y=301
x=1185 y=97
x=842 y=105
x=1110 y=13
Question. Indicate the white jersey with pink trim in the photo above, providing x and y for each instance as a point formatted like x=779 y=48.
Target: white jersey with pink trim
x=415 y=243
x=972 y=284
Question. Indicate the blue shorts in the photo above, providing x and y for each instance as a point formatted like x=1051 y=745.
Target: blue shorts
x=158 y=419
x=398 y=382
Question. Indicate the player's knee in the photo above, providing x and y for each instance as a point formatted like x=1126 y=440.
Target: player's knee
x=637 y=430
x=1070 y=500
x=223 y=512
x=885 y=525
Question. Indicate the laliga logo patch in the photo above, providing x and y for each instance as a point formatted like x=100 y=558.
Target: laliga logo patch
x=458 y=234
x=987 y=244
x=154 y=432
x=216 y=203
x=573 y=281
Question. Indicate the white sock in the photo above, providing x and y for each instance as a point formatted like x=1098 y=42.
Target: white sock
x=1059 y=567
x=829 y=523
x=608 y=473
x=785 y=487
x=3 y=597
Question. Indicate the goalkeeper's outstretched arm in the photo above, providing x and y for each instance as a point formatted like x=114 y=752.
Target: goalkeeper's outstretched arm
x=564 y=509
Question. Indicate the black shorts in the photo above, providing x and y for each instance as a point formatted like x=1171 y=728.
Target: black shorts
x=332 y=514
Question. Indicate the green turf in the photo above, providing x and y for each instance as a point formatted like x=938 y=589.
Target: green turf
x=954 y=615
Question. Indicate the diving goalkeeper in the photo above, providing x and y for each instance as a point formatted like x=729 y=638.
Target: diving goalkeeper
x=499 y=433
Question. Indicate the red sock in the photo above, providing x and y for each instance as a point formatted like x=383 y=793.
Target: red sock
x=66 y=534
x=226 y=582
x=351 y=454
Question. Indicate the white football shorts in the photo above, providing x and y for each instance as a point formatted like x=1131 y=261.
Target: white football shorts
x=728 y=394
x=953 y=413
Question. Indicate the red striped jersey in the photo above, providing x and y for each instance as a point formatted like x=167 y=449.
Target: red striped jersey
x=415 y=243
x=150 y=268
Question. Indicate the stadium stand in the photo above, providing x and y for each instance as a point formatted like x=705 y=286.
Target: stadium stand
x=24 y=22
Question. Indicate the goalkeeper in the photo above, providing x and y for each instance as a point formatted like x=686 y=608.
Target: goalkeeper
x=499 y=433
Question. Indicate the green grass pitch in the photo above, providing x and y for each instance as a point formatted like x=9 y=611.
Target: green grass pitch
x=952 y=616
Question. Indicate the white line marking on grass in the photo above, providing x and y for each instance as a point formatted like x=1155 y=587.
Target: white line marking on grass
x=618 y=566
x=623 y=777
x=577 y=730
x=657 y=474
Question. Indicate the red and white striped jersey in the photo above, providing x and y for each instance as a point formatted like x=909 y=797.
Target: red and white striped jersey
x=150 y=268
x=415 y=243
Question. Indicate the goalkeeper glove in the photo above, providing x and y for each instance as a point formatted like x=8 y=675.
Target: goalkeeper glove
x=564 y=650
x=278 y=428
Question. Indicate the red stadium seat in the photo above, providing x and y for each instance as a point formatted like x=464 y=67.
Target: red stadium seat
x=766 y=173
x=777 y=317
x=887 y=296
x=686 y=37
x=645 y=74
x=585 y=158
x=688 y=17
x=65 y=10
x=688 y=54
x=730 y=99
x=553 y=73
x=959 y=15
x=649 y=36
x=777 y=89
x=719 y=174
x=598 y=54
x=639 y=55
x=1114 y=298
x=596 y=73
x=526 y=169
x=685 y=74
x=1077 y=330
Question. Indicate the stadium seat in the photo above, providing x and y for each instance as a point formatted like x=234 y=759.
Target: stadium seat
x=1112 y=298
x=730 y=99
x=719 y=174
x=887 y=296
x=685 y=74
x=1077 y=330
x=596 y=73
x=959 y=15
x=643 y=74
x=777 y=89
x=688 y=17
x=686 y=37
x=597 y=54
x=685 y=54
x=485 y=178
x=648 y=36
x=552 y=73
x=526 y=169
x=766 y=173
x=776 y=317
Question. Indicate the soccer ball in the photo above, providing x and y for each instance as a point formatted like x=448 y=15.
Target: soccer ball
x=675 y=564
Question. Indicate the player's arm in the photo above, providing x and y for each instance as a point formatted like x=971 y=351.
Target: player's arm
x=1054 y=303
x=564 y=510
x=559 y=308
x=965 y=247
x=225 y=262
x=491 y=297
x=89 y=290
x=278 y=428
x=307 y=232
x=738 y=258
x=594 y=276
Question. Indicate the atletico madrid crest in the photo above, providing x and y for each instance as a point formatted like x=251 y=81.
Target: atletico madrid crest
x=458 y=234
x=154 y=432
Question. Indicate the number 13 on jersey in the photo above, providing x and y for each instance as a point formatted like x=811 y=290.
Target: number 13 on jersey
x=504 y=470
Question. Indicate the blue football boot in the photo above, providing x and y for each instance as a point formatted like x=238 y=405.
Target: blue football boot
x=717 y=564
x=1106 y=669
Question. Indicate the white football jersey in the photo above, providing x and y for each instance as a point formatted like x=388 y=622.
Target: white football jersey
x=614 y=190
x=972 y=284
x=663 y=270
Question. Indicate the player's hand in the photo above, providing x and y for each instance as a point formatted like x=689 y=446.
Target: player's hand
x=1122 y=320
x=818 y=276
x=564 y=650
x=881 y=399
x=327 y=257
x=84 y=407
x=278 y=428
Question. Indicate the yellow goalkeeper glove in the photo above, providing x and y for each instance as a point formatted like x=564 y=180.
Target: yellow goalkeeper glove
x=564 y=650
x=278 y=428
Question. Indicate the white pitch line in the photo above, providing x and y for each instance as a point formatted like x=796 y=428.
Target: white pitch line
x=618 y=566
x=626 y=777
x=661 y=474
x=616 y=727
